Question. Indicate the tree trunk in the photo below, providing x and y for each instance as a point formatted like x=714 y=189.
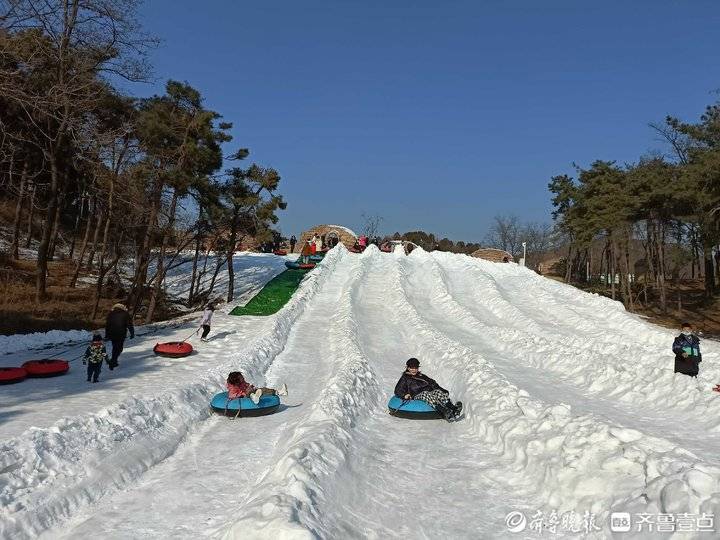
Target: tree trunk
x=78 y=217
x=102 y=270
x=83 y=247
x=231 y=253
x=160 y=274
x=612 y=267
x=709 y=271
x=14 y=249
x=96 y=235
x=202 y=272
x=218 y=266
x=198 y=241
x=101 y=279
x=42 y=258
x=661 y=266
x=138 y=286
x=56 y=225
x=568 y=265
x=628 y=268
x=31 y=211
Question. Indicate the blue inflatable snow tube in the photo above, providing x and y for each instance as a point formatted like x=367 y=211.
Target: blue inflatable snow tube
x=244 y=406
x=295 y=265
x=414 y=409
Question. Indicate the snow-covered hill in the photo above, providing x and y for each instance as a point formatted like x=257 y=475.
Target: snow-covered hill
x=572 y=412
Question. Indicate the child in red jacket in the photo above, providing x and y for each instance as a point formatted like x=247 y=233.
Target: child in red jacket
x=238 y=387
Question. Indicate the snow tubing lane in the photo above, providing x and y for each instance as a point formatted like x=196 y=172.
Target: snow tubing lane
x=9 y=375
x=46 y=367
x=298 y=266
x=266 y=405
x=414 y=409
x=279 y=252
x=173 y=349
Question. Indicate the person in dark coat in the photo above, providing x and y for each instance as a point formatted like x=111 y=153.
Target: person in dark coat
x=293 y=241
x=117 y=325
x=416 y=385
x=687 y=351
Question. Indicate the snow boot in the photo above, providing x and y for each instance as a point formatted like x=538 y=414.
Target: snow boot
x=458 y=409
x=255 y=396
x=283 y=390
x=446 y=410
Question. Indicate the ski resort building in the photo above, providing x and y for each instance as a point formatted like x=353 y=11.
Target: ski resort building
x=328 y=233
x=492 y=254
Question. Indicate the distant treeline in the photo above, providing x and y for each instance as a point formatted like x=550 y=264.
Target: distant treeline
x=105 y=177
x=667 y=203
x=506 y=233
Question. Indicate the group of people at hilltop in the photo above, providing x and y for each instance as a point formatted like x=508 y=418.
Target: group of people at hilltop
x=364 y=241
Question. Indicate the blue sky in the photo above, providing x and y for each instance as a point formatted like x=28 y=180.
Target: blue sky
x=437 y=115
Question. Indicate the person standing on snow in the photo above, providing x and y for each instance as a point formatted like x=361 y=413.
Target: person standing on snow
x=117 y=325
x=305 y=253
x=318 y=244
x=416 y=385
x=94 y=356
x=293 y=241
x=687 y=352
x=205 y=321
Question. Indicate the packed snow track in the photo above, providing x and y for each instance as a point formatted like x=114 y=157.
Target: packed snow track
x=572 y=412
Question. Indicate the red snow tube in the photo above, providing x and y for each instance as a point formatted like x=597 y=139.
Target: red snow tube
x=46 y=367
x=173 y=349
x=9 y=375
x=280 y=252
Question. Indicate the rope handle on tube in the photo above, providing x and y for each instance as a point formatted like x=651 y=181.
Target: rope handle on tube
x=405 y=402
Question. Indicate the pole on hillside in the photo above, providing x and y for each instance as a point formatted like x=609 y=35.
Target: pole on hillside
x=522 y=261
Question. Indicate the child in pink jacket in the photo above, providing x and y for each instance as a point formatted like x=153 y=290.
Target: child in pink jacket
x=238 y=387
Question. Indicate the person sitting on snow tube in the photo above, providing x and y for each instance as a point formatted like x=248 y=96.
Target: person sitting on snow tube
x=238 y=387
x=416 y=385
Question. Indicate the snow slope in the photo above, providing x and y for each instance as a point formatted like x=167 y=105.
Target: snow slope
x=252 y=271
x=570 y=406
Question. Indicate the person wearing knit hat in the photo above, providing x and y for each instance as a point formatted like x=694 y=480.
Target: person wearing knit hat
x=94 y=357
x=118 y=323
x=416 y=385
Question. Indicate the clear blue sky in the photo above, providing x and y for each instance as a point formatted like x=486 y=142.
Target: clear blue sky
x=437 y=115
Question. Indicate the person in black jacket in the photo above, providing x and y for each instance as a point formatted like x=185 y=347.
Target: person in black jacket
x=117 y=325
x=416 y=385
x=687 y=352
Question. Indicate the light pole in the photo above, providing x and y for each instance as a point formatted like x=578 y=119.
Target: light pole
x=524 y=244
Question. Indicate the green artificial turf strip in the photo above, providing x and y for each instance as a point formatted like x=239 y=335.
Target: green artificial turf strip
x=274 y=295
